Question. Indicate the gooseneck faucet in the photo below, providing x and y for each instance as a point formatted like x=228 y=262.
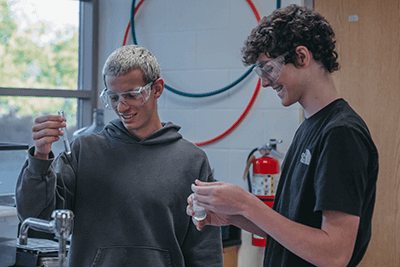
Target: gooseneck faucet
x=61 y=226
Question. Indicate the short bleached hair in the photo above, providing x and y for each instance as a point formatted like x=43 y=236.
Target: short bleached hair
x=129 y=57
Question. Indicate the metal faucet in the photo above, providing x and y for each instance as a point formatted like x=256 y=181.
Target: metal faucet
x=61 y=226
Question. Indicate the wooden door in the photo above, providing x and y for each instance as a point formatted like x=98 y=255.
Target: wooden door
x=368 y=41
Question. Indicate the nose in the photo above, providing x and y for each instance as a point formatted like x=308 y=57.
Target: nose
x=265 y=83
x=122 y=106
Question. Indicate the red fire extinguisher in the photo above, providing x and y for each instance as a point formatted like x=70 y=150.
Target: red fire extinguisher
x=262 y=182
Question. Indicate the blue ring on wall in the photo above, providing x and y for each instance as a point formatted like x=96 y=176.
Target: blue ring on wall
x=180 y=92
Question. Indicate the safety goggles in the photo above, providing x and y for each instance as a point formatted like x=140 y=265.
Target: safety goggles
x=271 y=70
x=133 y=97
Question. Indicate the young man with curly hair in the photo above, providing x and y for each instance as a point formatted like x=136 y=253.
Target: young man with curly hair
x=325 y=198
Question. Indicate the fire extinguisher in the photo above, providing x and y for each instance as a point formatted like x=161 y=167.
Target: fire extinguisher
x=262 y=181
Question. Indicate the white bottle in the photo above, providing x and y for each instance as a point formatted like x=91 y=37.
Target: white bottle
x=199 y=212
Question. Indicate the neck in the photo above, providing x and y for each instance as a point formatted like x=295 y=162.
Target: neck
x=142 y=134
x=320 y=92
x=152 y=125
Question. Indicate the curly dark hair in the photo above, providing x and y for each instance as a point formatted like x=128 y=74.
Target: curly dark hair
x=287 y=28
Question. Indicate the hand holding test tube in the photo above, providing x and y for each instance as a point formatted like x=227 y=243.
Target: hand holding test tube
x=65 y=136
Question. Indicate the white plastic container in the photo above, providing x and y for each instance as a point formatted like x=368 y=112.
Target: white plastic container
x=12 y=158
x=8 y=235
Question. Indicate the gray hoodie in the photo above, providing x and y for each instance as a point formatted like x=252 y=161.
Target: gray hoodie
x=128 y=196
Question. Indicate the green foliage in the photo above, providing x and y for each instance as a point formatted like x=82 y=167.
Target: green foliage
x=26 y=64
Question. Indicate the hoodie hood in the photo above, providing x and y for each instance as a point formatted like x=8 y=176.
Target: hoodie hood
x=168 y=133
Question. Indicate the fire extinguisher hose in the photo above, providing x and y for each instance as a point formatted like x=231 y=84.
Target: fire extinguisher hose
x=250 y=159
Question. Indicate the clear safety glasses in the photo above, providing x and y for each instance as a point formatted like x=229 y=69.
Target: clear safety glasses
x=134 y=97
x=271 y=70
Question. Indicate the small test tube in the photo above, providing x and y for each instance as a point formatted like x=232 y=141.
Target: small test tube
x=65 y=136
x=199 y=212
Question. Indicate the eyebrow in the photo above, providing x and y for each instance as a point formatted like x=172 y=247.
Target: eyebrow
x=126 y=91
x=134 y=89
x=263 y=64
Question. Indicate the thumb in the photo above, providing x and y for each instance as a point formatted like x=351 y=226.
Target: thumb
x=200 y=183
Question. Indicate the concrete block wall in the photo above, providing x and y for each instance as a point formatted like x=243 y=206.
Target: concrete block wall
x=197 y=44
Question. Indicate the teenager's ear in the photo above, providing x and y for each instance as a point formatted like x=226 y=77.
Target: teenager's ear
x=158 y=87
x=303 y=56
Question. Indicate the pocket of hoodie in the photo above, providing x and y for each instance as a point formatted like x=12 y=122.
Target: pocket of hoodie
x=123 y=256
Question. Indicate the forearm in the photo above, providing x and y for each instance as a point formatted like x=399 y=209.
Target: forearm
x=36 y=188
x=331 y=245
x=317 y=246
x=35 y=195
x=247 y=225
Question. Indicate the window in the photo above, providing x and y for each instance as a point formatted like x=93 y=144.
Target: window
x=48 y=59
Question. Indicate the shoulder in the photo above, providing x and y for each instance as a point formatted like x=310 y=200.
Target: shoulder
x=90 y=141
x=191 y=147
x=337 y=126
x=342 y=114
x=340 y=117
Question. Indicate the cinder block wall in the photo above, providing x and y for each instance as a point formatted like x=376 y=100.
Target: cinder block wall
x=197 y=44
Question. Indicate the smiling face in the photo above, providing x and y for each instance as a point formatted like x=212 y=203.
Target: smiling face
x=139 y=120
x=286 y=85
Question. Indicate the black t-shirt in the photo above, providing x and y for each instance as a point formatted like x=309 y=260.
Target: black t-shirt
x=332 y=164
